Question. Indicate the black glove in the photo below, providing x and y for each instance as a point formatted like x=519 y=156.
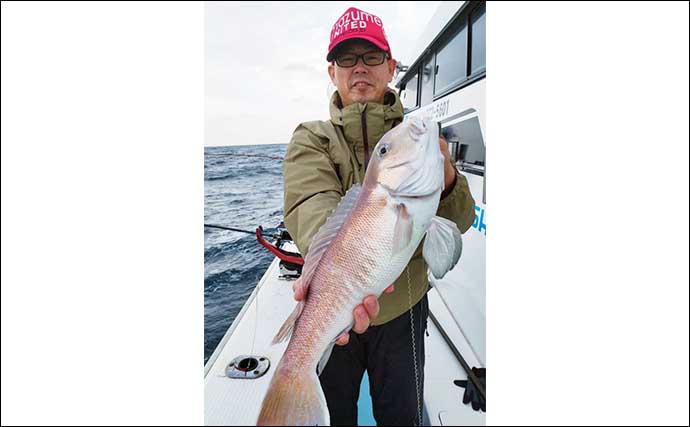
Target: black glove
x=471 y=393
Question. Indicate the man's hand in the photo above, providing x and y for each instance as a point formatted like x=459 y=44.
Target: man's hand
x=449 y=175
x=363 y=313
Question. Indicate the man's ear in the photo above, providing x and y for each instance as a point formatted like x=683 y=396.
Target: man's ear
x=391 y=68
x=331 y=73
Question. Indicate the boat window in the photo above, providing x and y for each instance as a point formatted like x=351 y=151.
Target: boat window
x=427 y=88
x=478 y=35
x=451 y=61
x=409 y=94
x=466 y=145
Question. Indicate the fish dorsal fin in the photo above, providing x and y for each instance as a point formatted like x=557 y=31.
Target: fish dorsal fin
x=323 y=238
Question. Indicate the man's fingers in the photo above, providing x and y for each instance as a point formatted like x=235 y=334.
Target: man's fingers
x=445 y=151
x=361 y=320
x=389 y=289
x=371 y=304
x=343 y=339
x=444 y=147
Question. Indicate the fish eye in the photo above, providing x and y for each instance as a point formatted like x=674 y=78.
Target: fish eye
x=383 y=150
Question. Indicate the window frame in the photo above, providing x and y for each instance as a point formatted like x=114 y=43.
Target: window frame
x=413 y=73
x=445 y=41
x=470 y=37
x=463 y=20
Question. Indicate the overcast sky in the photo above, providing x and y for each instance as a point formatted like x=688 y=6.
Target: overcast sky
x=266 y=63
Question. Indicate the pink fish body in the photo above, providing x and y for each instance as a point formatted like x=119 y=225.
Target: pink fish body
x=361 y=249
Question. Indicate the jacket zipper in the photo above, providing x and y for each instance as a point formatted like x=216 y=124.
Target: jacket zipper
x=365 y=140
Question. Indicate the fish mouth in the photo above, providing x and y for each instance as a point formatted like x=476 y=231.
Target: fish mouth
x=401 y=164
x=394 y=193
x=428 y=187
x=416 y=196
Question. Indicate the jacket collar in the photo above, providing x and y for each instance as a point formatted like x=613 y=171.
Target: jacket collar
x=379 y=118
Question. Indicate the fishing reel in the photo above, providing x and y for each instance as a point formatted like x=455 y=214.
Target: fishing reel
x=290 y=262
x=282 y=247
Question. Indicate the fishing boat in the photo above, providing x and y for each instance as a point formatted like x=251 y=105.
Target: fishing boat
x=445 y=79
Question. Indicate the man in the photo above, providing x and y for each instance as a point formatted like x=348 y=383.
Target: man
x=324 y=159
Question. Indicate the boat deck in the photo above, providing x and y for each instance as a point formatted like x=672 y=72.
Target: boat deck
x=237 y=401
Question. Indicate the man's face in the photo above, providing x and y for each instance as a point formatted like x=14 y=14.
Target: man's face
x=361 y=83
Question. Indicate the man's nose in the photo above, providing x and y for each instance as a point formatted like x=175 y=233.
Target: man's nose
x=360 y=68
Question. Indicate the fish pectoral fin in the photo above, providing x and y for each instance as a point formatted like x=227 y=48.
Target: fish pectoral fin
x=402 y=233
x=286 y=329
x=442 y=246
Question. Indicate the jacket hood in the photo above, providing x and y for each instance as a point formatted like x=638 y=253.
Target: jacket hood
x=379 y=119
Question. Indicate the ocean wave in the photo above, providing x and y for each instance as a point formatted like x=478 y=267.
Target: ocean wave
x=228 y=174
x=240 y=192
x=220 y=176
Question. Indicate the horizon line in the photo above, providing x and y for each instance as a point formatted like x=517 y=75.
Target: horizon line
x=247 y=145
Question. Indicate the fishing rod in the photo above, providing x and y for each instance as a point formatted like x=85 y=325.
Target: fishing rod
x=471 y=376
x=238 y=230
x=287 y=256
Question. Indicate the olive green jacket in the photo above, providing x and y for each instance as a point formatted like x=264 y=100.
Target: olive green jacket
x=325 y=158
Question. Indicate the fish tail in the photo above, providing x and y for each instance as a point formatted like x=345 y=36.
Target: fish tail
x=294 y=400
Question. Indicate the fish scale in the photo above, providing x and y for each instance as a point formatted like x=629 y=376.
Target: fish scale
x=338 y=283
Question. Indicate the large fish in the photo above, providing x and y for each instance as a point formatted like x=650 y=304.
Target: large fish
x=360 y=250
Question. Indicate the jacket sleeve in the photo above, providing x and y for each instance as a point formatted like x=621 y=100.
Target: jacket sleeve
x=312 y=188
x=458 y=205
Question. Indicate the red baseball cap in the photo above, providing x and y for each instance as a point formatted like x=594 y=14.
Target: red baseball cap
x=357 y=24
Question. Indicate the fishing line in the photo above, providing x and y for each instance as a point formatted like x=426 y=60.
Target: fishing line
x=414 y=346
x=256 y=317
